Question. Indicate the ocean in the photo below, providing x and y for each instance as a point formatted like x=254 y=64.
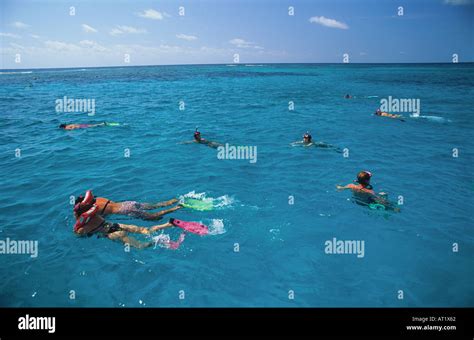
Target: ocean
x=272 y=218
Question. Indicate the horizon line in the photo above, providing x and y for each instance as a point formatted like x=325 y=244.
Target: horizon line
x=237 y=64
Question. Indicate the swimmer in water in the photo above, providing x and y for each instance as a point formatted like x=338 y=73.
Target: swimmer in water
x=130 y=208
x=97 y=225
x=380 y=113
x=89 y=222
x=200 y=140
x=80 y=126
x=364 y=193
x=348 y=96
x=308 y=141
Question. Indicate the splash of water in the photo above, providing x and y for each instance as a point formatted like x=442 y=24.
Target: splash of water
x=218 y=202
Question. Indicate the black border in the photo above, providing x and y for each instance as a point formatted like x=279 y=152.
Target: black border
x=290 y=323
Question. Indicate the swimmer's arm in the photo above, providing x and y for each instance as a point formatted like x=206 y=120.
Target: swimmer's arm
x=348 y=186
x=187 y=142
x=296 y=143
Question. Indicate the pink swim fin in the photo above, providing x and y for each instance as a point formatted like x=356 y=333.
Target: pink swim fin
x=192 y=227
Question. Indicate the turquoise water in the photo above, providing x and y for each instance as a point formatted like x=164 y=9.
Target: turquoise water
x=281 y=246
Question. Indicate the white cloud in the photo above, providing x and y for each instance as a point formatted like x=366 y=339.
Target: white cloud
x=10 y=35
x=60 y=46
x=88 y=29
x=153 y=15
x=127 y=29
x=34 y=36
x=92 y=45
x=241 y=43
x=19 y=24
x=328 y=22
x=17 y=46
x=115 y=31
x=459 y=2
x=186 y=37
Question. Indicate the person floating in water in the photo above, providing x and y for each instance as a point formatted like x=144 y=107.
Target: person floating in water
x=200 y=140
x=308 y=142
x=130 y=208
x=348 y=96
x=364 y=193
x=85 y=126
x=90 y=222
x=380 y=113
x=97 y=225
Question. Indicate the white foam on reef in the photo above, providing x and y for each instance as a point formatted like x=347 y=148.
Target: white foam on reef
x=216 y=227
x=432 y=118
x=218 y=202
x=231 y=65
x=253 y=65
x=17 y=72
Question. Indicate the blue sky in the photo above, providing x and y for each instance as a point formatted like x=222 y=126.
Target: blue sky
x=102 y=32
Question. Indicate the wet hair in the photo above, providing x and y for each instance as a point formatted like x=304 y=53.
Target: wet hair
x=62 y=126
x=78 y=199
x=363 y=178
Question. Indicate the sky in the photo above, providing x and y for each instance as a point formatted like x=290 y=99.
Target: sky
x=51 y=34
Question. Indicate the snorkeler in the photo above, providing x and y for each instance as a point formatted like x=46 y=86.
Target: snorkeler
x=89 y=222
x=85 y=126
x=380 y=113
x=79 y=126
x=200 y=140
x=308 y=141
x=129 y=208
x=364 y=193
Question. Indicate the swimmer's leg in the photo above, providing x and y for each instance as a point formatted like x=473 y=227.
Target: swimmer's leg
x=151 y=206
x=142 y=230
x=122 y=236
x=135 y=209
x=157 y=215
x=387 y=204
x=161 y=226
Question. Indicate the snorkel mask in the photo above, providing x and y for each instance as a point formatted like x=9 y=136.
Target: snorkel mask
x=197 y=134
x=307 y=136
